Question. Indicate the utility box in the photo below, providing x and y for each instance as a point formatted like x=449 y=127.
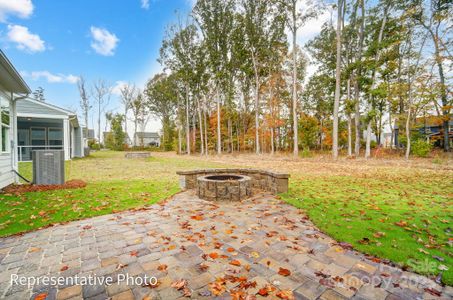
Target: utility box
x=48 y=167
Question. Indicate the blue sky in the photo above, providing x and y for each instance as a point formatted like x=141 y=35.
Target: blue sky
x=51 y=42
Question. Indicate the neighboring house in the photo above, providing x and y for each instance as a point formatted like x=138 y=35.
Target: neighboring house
x=42 y=125
x=12 y=89
x=106 y=135
x=90 y=133
x=432 y=128
x=146 y=139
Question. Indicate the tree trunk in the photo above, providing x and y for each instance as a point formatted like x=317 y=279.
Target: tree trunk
x=349 y=120
x=99 y=121
x=373 y=80
x=294 y=108
x=337 y=83
x=443 y=90
x=356 y=82
x=408 y=130
x=200 y=121
x=206 y=148
x=187 y=121
x=257 y=102
x=219 y=141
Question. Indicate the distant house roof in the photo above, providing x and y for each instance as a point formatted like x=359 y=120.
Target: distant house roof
x=147 y=135
x=10 y=79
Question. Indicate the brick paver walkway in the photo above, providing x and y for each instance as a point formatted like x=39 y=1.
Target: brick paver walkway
x=257 y=247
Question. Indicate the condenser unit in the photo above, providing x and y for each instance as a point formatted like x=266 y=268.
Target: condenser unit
x=48 y=166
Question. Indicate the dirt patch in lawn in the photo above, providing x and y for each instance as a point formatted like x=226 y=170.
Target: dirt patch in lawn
x=17 y=189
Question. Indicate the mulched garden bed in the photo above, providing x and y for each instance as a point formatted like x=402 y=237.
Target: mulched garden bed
x=18 y=189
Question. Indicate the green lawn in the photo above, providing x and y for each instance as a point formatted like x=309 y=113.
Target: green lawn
x=405 y=219
x=113 y=184
x=391 y=211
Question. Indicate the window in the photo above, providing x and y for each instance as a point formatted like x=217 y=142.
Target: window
x=38 y=136
x=5 y=123
x=55 y=136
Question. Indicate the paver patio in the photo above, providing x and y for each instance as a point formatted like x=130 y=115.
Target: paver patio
x=214 y=246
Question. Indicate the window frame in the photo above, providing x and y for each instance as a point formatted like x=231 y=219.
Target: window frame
x=31 y=135
x=48 y=139
x=6 y=126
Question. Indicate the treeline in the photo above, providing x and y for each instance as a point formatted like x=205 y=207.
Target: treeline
x=235 y=77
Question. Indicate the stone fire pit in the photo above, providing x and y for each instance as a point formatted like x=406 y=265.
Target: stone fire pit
x=232 y=184
x=224 y=187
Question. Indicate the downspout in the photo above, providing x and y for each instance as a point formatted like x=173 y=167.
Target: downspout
x=14 y=160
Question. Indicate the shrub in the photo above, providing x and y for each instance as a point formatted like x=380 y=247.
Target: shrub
x=420 y=148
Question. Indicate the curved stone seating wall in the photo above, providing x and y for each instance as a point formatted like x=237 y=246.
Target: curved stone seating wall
x=263 y=180
x=137 y=155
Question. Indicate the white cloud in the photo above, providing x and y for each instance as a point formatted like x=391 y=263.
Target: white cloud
x=116 y=89
x=50 y=77
x=24 y=39
x=19 y=8
x=145 y=4
x=104 y=42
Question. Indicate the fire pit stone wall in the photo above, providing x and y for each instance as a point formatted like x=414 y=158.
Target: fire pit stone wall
x=264 y=180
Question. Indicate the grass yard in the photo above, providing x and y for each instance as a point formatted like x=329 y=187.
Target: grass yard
x=113 y=184
x=389 y=208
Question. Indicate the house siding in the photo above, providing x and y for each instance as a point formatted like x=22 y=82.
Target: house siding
x=28 y=107
x=6 y=173
x=78 y=149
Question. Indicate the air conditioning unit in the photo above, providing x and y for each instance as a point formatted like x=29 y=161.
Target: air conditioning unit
x=48 y=166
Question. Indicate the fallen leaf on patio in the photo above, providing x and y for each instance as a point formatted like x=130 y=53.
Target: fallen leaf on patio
x=152 y=286
x=230 y=249
x=162 y=267
x=254 y=254
x=205 y=293
x=34 y=249
x=197 y=217
x=134 y=253
x=284 y=272
x=64 y=268
x=203 y=267
x=235 y=263
x=213 y=255
x=286 y=295
x=41 y=296
x=433 y=292
x=327 y=282
x=179 y=284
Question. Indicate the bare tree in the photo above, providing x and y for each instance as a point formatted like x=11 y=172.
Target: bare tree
x=128 y=93
x=340 y=20
x=84 y=101
x=138 y=108
x=101 y=94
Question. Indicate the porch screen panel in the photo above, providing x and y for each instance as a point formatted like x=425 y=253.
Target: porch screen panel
x=55 y=136
x=38 y=136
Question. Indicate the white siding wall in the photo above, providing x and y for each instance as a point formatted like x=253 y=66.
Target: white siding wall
x=6 y=174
